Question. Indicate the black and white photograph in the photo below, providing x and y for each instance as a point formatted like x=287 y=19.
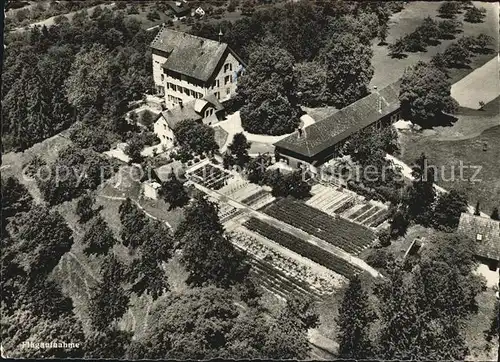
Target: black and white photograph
x=250 y=180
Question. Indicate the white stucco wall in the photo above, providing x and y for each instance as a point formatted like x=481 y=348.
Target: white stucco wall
x=230 y=59
x=158 y=60
x=164 y=133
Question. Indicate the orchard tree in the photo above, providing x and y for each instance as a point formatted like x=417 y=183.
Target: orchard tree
x=483 y=41
x=237 y=154
x=349 y=68
x=268 y=92
x=424 y=93
x=448 y=28
x=173 y=192
x=475 y=15
x=108 y=301
x=457 y=55
x=98 y=238
x=449 y=9
x=355 y=320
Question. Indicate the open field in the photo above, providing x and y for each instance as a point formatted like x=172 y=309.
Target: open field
x=388 y=70
x=448 y=146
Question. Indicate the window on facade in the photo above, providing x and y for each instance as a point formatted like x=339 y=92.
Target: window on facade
x=217 y=94
x=217 y=84
x=227 y=67
x=174 y=87
x=162 y=76
x=228 y=91
x=227 y=79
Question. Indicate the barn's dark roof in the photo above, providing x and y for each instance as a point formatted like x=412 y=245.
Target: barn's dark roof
x=183 y=9
x=489 y=246
x=190 y=55
x=329 y=131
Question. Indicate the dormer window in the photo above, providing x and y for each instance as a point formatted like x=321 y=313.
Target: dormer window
x=479 y=237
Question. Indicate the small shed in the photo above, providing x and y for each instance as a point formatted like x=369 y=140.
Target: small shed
x=151 y=189
x=486 y=233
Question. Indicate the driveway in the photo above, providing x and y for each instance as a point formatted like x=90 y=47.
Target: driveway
x=232 y=125
x=482 y=85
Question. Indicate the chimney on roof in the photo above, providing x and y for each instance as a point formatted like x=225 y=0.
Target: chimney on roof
x=379 y=99
x=220 y=34
x=299 y=134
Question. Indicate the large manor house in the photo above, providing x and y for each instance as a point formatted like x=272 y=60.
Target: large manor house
x=196 y=76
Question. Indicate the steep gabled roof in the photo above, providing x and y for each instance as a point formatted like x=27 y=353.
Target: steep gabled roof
x=329 y=131
x=190 y=55
x=489 y=230
x=189 y=110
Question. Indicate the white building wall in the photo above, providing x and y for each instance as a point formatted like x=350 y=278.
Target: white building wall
x=226 y=91
x=164 y=133
x=181 y=95
x=158 y=61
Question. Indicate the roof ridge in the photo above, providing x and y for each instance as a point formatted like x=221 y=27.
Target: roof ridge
x=193 y=36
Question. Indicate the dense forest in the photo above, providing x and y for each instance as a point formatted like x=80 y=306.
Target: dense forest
x=87 y=70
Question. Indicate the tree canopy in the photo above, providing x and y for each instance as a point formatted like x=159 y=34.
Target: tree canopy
x=267 y=90
x=424 y=94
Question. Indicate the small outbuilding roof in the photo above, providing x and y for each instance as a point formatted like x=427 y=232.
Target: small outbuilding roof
x=486 y=233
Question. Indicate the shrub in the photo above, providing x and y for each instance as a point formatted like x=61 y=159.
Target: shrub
x=475 y=15
x=379 y=258
x=384 y=237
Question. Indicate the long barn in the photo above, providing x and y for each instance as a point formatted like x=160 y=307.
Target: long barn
x=320 y=142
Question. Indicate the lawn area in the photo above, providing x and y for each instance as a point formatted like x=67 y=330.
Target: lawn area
x=479 y=151
x=480 y=350
x=388 y=70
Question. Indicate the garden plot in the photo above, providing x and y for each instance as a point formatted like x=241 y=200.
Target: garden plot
x=247 y=193
x=303 y=248
x=347 y=235
x=320 y=280
x=210 y=176
x=337 y=201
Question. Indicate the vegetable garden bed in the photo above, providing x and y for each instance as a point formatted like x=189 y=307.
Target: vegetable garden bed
x=301 y=247
x=337 y=231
